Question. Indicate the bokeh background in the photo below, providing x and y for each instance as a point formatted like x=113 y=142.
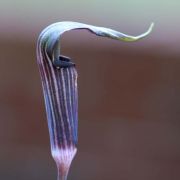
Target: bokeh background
x=129 y=93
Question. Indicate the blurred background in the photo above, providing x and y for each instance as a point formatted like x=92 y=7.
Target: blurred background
x=129 y=93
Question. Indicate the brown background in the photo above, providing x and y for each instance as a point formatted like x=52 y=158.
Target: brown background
x=129 y=99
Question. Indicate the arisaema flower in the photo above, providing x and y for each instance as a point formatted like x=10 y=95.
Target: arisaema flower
x=59 y=81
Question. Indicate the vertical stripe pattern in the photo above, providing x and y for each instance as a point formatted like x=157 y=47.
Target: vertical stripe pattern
x=61 y=100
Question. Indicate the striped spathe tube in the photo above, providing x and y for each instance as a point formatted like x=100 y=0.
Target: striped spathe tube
x=59 y=81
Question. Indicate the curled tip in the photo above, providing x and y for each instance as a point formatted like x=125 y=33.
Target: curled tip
x=49 y=39
x=150 y=29
x=135 y=38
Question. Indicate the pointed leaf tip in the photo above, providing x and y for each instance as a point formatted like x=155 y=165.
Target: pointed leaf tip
x=128 y=38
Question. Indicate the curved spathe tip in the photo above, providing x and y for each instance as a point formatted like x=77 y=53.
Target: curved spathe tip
x=49 y=39
x=136 y=38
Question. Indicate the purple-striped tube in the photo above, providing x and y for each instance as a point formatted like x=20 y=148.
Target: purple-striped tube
x=61 y=101
x=59 y=82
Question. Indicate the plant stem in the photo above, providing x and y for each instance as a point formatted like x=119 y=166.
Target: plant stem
x=63 y=159
x=62 y=175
